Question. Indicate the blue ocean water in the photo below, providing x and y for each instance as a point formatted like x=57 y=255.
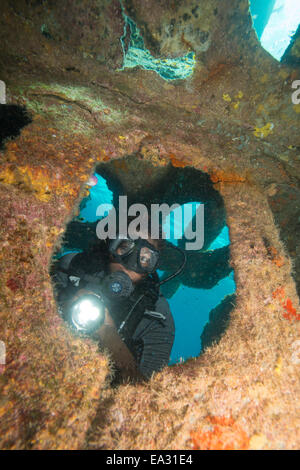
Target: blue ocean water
x=99 y=194
x=190 y=306
x=275 y=22
x=178 y=220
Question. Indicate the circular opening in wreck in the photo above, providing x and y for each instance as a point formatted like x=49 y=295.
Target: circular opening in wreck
x=202 y=295
x=275 y=22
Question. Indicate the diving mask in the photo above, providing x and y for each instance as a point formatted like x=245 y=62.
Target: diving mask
x=138 y=255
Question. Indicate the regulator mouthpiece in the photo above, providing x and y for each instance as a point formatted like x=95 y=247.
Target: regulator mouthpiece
x=118 y=285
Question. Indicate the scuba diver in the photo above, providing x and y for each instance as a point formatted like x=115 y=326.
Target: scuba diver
x=112 y=293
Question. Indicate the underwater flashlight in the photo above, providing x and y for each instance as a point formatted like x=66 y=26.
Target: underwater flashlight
x=87 y=313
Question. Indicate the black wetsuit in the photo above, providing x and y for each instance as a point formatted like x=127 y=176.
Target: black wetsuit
x=152 y=338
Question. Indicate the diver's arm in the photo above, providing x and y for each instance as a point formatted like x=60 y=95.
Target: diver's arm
x=107 y=333
x=118 y=351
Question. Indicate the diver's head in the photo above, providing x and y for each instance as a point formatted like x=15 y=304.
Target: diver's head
x=137 y=256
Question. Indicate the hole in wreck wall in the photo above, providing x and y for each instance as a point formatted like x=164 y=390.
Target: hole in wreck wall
x=12 y=119
x=202 y=296
x=275 y=22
